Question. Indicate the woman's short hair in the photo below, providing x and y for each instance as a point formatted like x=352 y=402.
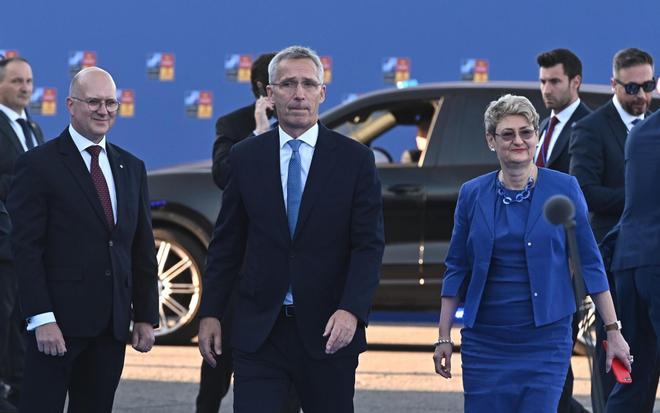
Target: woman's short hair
x=510 y=105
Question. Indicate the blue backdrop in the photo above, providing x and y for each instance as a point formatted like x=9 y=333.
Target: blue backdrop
x=357 y=34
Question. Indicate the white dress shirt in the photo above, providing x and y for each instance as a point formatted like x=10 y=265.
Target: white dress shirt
x=563 y=117
x=306 y=152
x=16 y=126
x=82 y=144
x=626 y=117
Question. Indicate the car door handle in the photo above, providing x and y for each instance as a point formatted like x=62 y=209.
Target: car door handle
x=405 y=189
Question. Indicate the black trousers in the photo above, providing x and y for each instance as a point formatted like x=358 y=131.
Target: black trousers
x=262 y=380
x=89 y=371
x=12 y=345
x=214 y=382
x=638 y=308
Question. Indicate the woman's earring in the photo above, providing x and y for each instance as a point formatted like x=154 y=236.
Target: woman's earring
x=491 y=149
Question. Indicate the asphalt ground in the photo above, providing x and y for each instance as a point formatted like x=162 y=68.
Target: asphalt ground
x=395 y=375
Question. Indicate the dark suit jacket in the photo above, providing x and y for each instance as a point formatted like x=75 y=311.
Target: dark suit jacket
x=596 y=151
x=469 y=255
x=5 y=229
x=68 y=261
x=229 y=130
x=333 y=261
x=638 y=244
x=559 y=157
x=10 y=149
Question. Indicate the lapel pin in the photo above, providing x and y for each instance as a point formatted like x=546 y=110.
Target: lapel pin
x=121 y=166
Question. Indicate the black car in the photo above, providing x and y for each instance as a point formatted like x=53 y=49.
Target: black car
x=420 y=186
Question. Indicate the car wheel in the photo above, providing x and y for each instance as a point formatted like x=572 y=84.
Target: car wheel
x=180 y=260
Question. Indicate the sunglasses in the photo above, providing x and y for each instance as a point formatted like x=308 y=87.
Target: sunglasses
x=632 y=88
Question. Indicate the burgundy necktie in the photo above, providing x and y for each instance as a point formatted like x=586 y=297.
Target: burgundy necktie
x=101 y=185
x=543 y=153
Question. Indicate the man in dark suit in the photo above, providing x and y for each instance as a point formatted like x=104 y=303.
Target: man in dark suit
x=18 y=133
x=309 y=259
x=85 y=256
x=636 y=264
x=230 y=129
x=250 y=120
x=560 y=77
x=596 y=151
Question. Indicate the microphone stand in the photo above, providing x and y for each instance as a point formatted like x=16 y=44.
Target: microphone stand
x=578 y=285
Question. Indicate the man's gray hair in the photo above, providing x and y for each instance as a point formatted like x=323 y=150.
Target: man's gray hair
x=294 y=52
x=510 y=105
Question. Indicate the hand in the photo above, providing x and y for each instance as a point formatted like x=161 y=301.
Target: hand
x=617 y=347
x=50 y=340
x=261 y=106
x=210 y=339
x=143 y=337
x=443 y=352
x=340 y=330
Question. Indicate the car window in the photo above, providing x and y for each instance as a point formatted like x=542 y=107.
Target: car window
x=397 y=133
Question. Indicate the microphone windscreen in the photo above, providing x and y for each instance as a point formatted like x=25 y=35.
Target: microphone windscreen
x=559 y=209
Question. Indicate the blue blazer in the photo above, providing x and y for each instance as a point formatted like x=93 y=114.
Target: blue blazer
x=469 y=256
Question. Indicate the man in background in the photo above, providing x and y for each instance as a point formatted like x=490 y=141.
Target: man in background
x=597 y=161
x=18 y=133
x=560 y=77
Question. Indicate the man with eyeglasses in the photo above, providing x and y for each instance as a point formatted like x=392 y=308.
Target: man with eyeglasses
x=597 y=158
x=230 y=129
x=18 y=133
x=85 y=256
x=301 y=221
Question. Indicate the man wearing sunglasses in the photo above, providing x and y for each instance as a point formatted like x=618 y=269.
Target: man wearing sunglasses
x=597 y=157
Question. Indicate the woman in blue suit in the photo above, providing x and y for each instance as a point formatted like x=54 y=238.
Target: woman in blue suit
x=511 y=269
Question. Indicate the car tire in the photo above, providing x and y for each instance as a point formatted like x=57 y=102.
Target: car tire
x=180 y=263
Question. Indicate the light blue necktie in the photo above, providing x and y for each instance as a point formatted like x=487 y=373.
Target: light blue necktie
x=293 y=186
x=293 y=197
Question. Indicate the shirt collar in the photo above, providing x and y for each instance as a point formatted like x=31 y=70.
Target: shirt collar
x=83 y=143
x=626 y=117
x=566 y=114
x=310 y=136
x=11 y=114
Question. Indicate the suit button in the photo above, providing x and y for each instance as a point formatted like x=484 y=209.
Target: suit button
x=536 y=294
x=110 y=243
x=292 y=256
x=108 y=273
x=529 y=244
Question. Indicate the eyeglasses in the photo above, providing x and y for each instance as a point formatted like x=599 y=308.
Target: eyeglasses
x=290 y=86
x=632 y=88
x=111 y=105
x=509 y=135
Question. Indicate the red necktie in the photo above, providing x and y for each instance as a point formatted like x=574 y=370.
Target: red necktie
x=543 y=153
x=101 y=185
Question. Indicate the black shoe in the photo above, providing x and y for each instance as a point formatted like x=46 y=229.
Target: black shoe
x=6 y=407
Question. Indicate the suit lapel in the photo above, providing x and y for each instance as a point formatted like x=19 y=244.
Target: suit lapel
x=8 y=131
x=616 y=125
x=272 y=177
x=541 y=193
x=322 y=165
x=76 y=166
x=120 y=178
x=486 y=202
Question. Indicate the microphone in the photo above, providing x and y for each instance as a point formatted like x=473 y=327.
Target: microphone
x=559 y=210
